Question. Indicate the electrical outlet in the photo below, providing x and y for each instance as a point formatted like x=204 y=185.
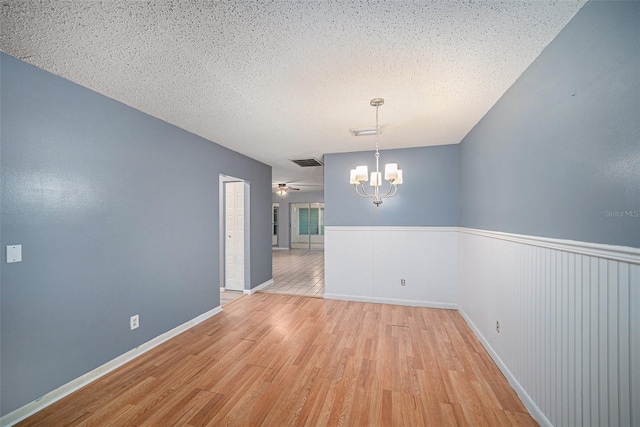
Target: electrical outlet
x=402 y=282
x=134 y=321
x=497 y=326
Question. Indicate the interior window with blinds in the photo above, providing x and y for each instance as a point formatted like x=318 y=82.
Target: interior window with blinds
x=309 y=221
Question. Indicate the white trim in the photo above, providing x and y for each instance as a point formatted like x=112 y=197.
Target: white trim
x=278 y=248
x=528 y=402
x=612 y=252
x=386 y=228
x=411 y=303
x=259 y=287
x=31 y=408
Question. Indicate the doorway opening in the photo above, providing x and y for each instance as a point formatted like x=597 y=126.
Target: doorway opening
x=307 y=226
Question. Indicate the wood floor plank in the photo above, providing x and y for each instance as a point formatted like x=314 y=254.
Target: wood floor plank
x=313 y=393
x=154 y=404
x=273 y=359
x=293 y=389
x=153 y=413
x=186 y=409
x=386 y=408
x=344 y=396
x=121 y=417
x=247 y=385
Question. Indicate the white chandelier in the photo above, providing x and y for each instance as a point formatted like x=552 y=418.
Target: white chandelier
x=360 y=174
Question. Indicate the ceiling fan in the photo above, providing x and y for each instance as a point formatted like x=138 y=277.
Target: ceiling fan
x=283 y=189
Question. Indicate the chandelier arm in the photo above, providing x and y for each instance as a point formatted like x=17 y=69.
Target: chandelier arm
x=377 y=200
x=391 y=192
x=361 y=191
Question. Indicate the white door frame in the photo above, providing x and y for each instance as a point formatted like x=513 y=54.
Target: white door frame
x=247 y=231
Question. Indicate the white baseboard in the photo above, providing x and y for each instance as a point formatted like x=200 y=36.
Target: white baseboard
x=411 y=303
x=259 y=287
x=31 y=408
x=280 y=249
x=528 y=402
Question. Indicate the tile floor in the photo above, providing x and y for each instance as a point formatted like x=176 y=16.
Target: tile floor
x=228 y=296
x=298 y=272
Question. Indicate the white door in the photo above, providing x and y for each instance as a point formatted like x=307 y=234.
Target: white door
x=234 y=235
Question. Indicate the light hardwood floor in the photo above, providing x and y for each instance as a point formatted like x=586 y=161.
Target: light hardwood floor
x=281 y=360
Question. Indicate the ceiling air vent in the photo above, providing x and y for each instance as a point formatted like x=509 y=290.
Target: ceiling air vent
x=305 y=163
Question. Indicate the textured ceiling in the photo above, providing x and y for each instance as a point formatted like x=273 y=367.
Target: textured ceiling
x=287 y=79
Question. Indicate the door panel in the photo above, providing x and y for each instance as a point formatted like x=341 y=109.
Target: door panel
x=234 y=247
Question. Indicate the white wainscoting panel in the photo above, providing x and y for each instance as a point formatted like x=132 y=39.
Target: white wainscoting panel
x=368 y=264
x=348 y=262
x=569 y=314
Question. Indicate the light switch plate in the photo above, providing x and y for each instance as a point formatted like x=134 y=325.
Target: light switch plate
x=14 y=253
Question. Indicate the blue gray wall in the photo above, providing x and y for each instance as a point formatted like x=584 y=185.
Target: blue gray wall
x=117 y=213
x=559 y=154
x=284 y=230
x=428 y=197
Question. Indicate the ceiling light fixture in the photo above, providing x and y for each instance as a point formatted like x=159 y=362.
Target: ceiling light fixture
x=283 y=189
x=360 y=174
x=364 y=131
